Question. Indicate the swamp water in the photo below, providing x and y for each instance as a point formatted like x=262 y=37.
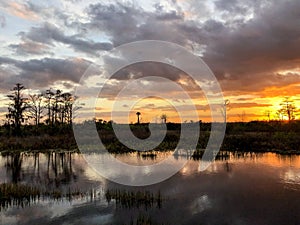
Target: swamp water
x=240 y=188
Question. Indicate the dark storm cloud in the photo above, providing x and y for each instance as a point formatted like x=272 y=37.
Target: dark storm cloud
x=48 y=70
x=146 y=69
x=6 y=60
x=170 y=16
x=44 y=72
x=8 y=78
x=243 y=52
x=250 y=54
x=49 y=33
x=130 y=23
x=118 y=20
x=246 y=47
x=127 y=23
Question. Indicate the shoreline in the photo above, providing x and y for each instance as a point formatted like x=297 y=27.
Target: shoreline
x=239 y=137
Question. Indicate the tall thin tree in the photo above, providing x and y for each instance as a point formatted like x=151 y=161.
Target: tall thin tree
x=17 y=107
x=35 y=108
x=49 y=95
x=138 y=114
x=288 y=109
x=163 y=118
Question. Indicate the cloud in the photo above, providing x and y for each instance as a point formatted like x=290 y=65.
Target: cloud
x=6 y=60
x=241 y=48
x=145 y=69
x=247 y=105
x=49 y=33
x=37 y=73
x=8 y=77
x=29 y=47
x=252 y=53
x=17 y=9
x=245 y=43
x=2 y=21
x=127 y=23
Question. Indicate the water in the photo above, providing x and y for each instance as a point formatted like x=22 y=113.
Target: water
x=239 y=189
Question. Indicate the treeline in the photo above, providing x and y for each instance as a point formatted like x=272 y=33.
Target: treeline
x=46 y=110
x=51 y=112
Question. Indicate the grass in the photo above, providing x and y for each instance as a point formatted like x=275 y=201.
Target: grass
x=15 y=194
x=134 y=199
x=238 y=137
x=143 y=220
x=12 y=194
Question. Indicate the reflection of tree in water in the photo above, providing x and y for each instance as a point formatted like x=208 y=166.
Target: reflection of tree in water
x=32 y=177
x=59 y=168
x=14 y=164
x=227 y=167
x=56 y=170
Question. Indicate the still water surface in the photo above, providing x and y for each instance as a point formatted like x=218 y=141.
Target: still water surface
x=238 y=189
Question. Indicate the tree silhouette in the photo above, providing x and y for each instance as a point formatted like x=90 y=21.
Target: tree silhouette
x=224 y=109
x=56 y=106
x=35 y=108
x=288 y=109
x=14 y=165
x=138 y=117
x=17 y=108
x=67 y=107
x=163 y=118
x=49 y=96
x=267 y=113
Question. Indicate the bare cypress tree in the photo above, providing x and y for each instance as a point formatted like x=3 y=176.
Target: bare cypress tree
x=288 y=109
x=35 y=108
x=49 y=95
x=68 y=101
x=56 y=106
x=224 y=109
x=17 y=107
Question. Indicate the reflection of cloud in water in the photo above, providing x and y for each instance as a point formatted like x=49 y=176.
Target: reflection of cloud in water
x=60 y=213
x=291 y=179
x=241 y=190
x=200 y=204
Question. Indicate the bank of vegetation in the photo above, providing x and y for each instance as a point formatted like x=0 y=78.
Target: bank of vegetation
x=250 y=136
x=50 y=129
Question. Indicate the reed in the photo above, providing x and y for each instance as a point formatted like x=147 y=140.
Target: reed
x=12 y=194
x=134 y=199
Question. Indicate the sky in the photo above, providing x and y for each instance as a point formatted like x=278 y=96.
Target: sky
x=251 y=46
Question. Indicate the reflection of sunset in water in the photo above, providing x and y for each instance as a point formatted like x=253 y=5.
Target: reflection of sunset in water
x=232 y=184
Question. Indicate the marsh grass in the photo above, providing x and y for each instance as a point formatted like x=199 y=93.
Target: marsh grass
x=22 y=195
x=256 y=137
x=143 y=219
x=134 y=199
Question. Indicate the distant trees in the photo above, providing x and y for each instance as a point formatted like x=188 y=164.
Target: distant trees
x=66 y=108
x=267 y=113
x=224 y=109
x=288 y=109
x=16 y=108
x=35 y=108
x=163 y=118
x=138 y=114
x=55 y=105
x=59 y=107
x=49 y=97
